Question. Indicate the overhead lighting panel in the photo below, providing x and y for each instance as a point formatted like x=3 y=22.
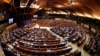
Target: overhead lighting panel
x=34 y=6
x=73 y=2
x=23 y=3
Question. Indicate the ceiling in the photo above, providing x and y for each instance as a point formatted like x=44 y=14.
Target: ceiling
x=90 y=7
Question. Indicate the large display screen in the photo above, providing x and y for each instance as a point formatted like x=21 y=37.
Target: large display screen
x=35 y=16
x=10 y=20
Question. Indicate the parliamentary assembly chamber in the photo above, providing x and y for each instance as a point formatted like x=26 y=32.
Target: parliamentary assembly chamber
x=49 y=27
